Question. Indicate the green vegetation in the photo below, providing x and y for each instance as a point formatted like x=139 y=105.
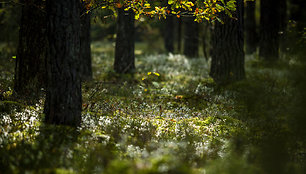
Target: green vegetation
x=169 y=117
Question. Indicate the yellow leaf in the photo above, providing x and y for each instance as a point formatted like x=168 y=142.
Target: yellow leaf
x=157 y=74
x=178 y=97
x=118 y=5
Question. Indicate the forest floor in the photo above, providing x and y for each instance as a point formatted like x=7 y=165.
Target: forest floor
x=169 y=117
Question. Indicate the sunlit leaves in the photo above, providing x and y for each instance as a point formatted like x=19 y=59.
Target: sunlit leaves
x=201 y=9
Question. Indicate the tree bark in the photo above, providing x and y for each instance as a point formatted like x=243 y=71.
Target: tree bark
x=85 y=52
x=269 y=30
x=283 y=25
x=64 y=97
x=283 y=15
x=250 y=27
x=179 y=35
x=125 y=42
x=298 y=13
x=191 y=37
x=227 y=53
x=30 y=60
x=206 y=40
x=169 y=34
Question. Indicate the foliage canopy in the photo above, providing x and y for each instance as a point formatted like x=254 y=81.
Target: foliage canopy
x=201 y=9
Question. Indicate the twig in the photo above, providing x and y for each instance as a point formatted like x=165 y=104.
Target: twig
x=11 y=2
x=97 y=6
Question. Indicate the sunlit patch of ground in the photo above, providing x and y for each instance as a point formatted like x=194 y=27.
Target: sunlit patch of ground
x=169 y=106
x=168 y=117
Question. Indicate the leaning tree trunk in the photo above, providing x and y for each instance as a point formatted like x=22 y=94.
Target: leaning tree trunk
x=250 y=27
x=191 y=37
x=169 y=34
x=125 y=42
x=85 y=52
x=30 y=69
x=227 y=53
x=269 y=30
x=63 y=99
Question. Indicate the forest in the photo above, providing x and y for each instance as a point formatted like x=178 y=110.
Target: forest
x=152 y=86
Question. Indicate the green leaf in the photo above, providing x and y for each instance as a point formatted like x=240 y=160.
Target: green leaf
x=155 y=84
x=170 y=2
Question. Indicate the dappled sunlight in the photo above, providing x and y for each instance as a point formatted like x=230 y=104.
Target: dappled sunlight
x=20 y=126
x=166 y=108
x=169 y=116
x=152 y=87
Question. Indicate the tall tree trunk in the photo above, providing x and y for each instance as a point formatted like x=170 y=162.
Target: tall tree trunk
x=85 y=52
x=30 y=61
x=269 y=30
x=191 y=37
x=64 y=98
x=169 y=34
x=227 y=53
x=179 y=35
x=298 y=13
x=1 y=15
x=250 y=27
x=283 y=15
x=283 y=25
x=206 y=39
x=125 y=42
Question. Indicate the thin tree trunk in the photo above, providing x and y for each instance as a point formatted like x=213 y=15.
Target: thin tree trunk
x=85 y=52
x=298 y=13
x=30 y=69
x=250 y=27
x=283 y=15
x=125 y=42
x=169 y=34
x=283 y=25
x=269 y=30
x=227 y=54
x=191 y=37
x=179 y=35
x=206 y=40
x=64 y=97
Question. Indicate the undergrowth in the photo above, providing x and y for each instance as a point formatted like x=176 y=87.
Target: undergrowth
x=168 y=117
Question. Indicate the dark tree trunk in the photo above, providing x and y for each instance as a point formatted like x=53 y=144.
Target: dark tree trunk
x=283 y=25
x=206 y=39
x=191 y=37
x=85 y=52
x=125 y=42
x=227 y=53
x=269 y=30
x=298 y=13
x=250 y=27
x=64 y=97
x=169 y=34
x=283 y=15
x=168 y=30
x=179 y=35
x=30 y=69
